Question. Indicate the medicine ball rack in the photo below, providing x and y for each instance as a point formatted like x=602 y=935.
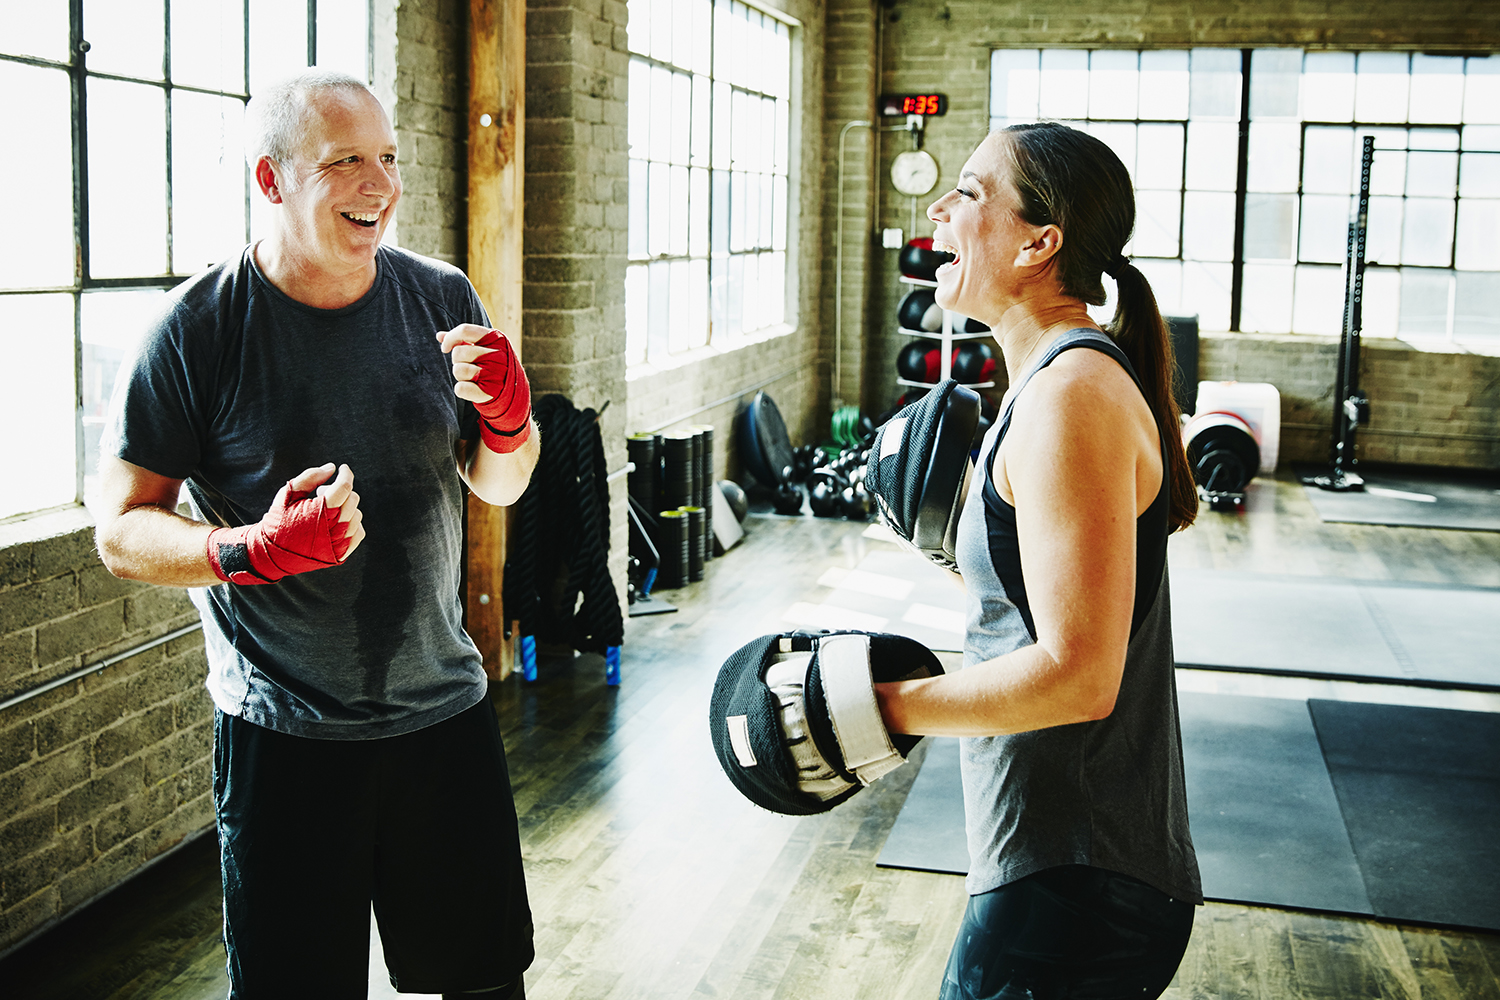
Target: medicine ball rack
x=946 y=337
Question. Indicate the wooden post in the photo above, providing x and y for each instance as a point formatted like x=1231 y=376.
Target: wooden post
x=497 y=129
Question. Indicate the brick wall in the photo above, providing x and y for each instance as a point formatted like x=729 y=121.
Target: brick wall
x=102 y=774
x=1440 y=402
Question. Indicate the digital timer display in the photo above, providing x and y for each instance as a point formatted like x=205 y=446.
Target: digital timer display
x=913 y=104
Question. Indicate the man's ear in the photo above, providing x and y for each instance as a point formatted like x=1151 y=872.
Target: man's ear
x=268 y=179
x=1042 y=247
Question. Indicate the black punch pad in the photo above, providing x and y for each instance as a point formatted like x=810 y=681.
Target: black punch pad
x=1420 y=793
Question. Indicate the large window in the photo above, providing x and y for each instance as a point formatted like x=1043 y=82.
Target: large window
x=1246 y=164
x=710 y=104
x=125 y=118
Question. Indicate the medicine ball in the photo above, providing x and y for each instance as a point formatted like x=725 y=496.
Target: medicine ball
x=918 y=361
x=734 y=495
x=920 y=311
x=973 y=362
x=919 y=260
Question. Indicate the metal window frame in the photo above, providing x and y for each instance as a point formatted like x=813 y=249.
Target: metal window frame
x=79 y=74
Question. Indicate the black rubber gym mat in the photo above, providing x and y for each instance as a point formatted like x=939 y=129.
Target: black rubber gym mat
x=1320 y=626
x=1410 y=499
x=1419 y=789
x=1265 y=821
x=1262 y=811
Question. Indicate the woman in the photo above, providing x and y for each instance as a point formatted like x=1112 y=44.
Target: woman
x=1082 y=878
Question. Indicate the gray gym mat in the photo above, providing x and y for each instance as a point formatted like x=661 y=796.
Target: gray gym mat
x=1264 y=818
x=1412 y=499
x=1410 y=632
x=1265 y=821
x=1420 y=793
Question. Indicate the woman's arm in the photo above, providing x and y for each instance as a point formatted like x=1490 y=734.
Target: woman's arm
x=1078 y=458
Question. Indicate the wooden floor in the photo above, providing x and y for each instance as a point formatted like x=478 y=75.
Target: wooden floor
x=650 y=876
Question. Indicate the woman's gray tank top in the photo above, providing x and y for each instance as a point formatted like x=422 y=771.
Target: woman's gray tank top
x=1107 y=793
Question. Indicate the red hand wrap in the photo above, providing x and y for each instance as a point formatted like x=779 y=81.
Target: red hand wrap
x=299 y=533
x=505 y=421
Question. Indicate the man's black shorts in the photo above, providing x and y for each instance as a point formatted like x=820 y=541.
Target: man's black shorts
x=312 y=831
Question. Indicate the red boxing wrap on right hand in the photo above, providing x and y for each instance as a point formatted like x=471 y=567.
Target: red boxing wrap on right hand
x=299 y=533
x=504 y=421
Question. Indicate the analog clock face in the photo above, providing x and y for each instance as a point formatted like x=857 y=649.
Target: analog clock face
x=914 y=172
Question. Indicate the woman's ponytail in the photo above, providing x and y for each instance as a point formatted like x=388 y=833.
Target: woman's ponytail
x=1142 y=334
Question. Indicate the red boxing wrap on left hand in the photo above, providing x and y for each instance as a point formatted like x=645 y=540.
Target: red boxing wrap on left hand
x=504 y=421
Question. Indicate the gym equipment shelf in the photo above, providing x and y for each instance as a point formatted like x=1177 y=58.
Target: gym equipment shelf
x=946 y=336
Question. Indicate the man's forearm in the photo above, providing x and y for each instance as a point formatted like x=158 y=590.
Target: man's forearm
x=155 y=545
x=501 y=479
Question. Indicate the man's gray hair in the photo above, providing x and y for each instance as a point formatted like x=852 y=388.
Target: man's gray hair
x=275 y=118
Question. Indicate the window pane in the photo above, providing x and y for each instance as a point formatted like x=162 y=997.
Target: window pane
x=45 y=213
x=1319 y=300
x=1381 y=87
x=1388 y=169
x=1159 y=157
x=37 y=393
x=638 y=26
x=125 y=36
x=1329 y=161
x=681 y=121
x=698 y=207
x=638 y=108
x=112 y=324
x=1212 y=156
x=1164 y=84
x=678 y=239
x=698 y=312
x=1014 y=83
x=127 y=230
x=661 y=114
x=703 y=49
x=1113 y=84
x=1328 y=94
x=1215 y=83
x=278 y=40
x=1275 y=149
x=342 y=37
x=1383 y=231
x=1208 y=229
x=661 y=30
x=702 y=120
x=1205 y=291
x=658 y=302
x=1431 y=173
x=1479 y=176
x=1427 y=237
x=783 y=136
x=773 y=288
x=1425 y=296
x=42 y=32
x=723 y=120
x=767 y=211
x=635 y=311
x=1275 y=78
x=1437 y=88
x=208 y=44
x=737 y=211
x=750 y=292
x=719 y=220
x=1474 y=312
x=734 y=296
x=639 y=196
x=682 y=32
x=779 y=208
x=1270 y=226
x=1382 y=302
x=1482 y=137
x=1479 y=238
x=680 y=308
x=1158 y=217
x=1064 y=83
x=1267 y=299
x=1482 y=90
x=1324 y=236
x=659 y=209
x=208 y=180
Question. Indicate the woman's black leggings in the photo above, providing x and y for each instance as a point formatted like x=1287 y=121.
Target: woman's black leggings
x=1073 y=931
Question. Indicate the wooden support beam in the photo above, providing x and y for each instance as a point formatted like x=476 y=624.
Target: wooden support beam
x=497 y=129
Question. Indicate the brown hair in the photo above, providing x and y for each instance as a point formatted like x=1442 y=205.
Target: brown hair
x=1072 y=180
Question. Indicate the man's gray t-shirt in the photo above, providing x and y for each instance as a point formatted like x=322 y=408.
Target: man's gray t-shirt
x=237 y=389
